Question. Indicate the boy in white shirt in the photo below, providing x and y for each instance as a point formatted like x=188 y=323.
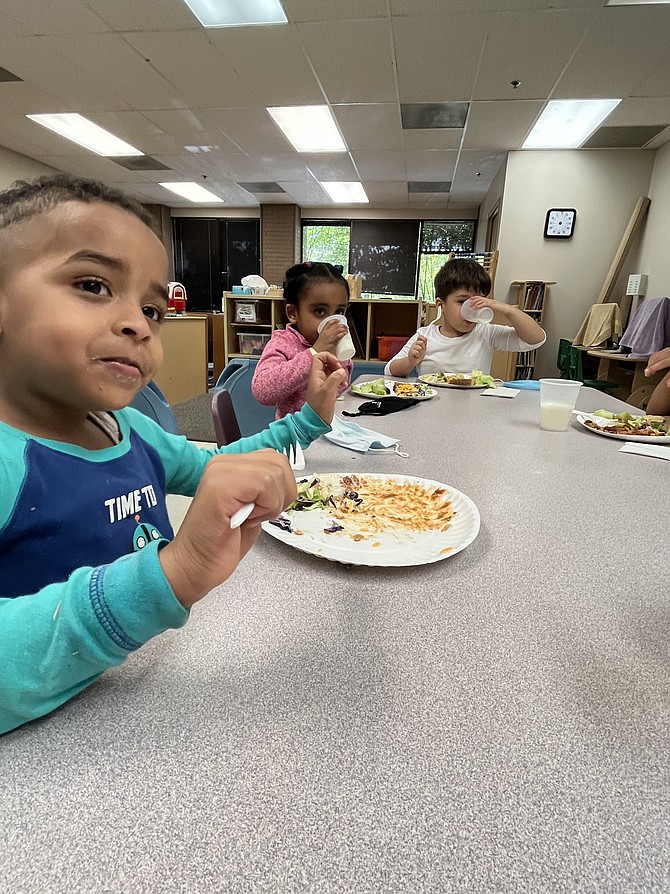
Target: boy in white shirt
x=453 y=344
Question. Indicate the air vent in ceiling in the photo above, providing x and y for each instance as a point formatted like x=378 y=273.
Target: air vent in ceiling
x=261 y=187
x=429 y=185
x=8 y=76
x=633 y=137
x=425 y=115
x=140 y=163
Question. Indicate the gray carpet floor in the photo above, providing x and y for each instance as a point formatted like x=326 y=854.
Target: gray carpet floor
x=194 y=418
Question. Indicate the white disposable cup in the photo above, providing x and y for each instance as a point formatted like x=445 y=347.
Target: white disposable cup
x=557 y=401
x=476 y=315
x=344 y=350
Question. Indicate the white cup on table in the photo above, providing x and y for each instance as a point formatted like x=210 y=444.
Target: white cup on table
x=476 y=315
x=344 y=350
x=557 y=401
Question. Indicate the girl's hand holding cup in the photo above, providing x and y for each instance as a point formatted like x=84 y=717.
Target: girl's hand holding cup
x=334 y=337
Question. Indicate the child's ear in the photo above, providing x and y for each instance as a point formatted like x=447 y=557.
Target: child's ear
x=291 y=313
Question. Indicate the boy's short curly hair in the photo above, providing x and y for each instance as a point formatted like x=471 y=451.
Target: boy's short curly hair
x=462 y=273
x=25 y=199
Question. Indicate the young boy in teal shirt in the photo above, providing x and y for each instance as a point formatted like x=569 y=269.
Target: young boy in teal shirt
x=89 y=566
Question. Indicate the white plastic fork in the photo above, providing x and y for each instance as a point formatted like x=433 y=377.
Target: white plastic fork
x=297 y=459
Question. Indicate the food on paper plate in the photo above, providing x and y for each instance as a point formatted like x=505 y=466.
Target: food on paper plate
x=627 y=424
x=376 y=387
x=360 y=506
x=476 y=379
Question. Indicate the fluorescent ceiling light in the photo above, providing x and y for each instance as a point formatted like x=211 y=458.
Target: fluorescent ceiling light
x=235 y=13
x=345 y=193
x=85 y=133
x=309 y=128
x=633 y=2
x=193 y=192
x=567 y=123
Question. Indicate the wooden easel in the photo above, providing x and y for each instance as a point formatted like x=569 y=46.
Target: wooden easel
x=630 y=232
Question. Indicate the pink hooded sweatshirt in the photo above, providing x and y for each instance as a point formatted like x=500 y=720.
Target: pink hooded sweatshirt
x=282 y=373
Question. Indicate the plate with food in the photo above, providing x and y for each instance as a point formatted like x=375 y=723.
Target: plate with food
x=386 y=387
x=476 y=379
x=626 y=427
x=377 y=519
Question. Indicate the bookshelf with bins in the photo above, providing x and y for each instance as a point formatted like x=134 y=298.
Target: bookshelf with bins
x=368 y=319
x=532 y=297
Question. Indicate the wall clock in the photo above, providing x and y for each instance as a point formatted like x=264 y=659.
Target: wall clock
x=559 y=223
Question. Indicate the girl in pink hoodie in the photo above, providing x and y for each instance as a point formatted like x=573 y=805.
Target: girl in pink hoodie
x=312 y=292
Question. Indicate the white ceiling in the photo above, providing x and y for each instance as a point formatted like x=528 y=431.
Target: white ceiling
x=150 y=73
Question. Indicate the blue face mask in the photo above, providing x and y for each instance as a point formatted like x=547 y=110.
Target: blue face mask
x=354 y=437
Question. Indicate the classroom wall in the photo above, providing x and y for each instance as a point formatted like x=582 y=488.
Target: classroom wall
x=652 y=255
x=603 y=185
x=14 y=166
x=493 y=196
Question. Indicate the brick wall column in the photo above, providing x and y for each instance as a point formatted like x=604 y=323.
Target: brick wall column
x=280 y=241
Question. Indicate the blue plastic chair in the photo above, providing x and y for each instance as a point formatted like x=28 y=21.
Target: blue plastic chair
x=236 y=376
x=152 y=402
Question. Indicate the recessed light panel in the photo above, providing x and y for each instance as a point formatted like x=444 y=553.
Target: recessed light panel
x=309 y=128
x=428 y=186
x=343 y=193
x=193 y=192
x=634 y=2
x=85 y=133
x=567 y=123
x=236 y=13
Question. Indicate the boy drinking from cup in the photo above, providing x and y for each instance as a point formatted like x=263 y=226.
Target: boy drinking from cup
x=456 y=342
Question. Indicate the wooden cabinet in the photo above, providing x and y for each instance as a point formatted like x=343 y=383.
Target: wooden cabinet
x=183 y=373
x=532 y=299
x=368 y=319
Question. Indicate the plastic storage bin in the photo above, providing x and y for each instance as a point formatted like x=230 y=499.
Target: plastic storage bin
x=252 y=342
x=389 y=345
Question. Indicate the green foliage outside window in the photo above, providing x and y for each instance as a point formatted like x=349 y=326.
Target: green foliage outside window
x=328 y=243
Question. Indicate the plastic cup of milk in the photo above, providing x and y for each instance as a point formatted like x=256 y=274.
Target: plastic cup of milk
x=557 y=401
x=476 y=315
x=344 y=350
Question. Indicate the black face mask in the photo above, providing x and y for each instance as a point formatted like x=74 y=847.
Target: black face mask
x=384 y=406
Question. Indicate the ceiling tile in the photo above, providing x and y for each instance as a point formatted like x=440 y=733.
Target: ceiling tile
x=327 y=166
x=380 y=165
x=432 y=165
x=306 y=192
x=370 y=126
x=326 y=10
x=500 y=125
x=271 y=65
x=367 y=75
x=437 y=58
x=251 y=130
x=422 y=8
x=446 y=138
x=61 y=17
x=148 y=15
x=469 y=163
x=392 y=193
x=285 y=168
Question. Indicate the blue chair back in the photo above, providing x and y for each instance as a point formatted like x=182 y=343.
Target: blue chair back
x=236 y=376
x=152 y=402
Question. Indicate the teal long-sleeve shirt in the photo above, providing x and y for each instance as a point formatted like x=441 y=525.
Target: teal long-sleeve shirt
x=81 y=585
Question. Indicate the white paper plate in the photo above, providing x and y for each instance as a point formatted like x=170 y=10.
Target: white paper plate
x=640 y=439
x=397 y=548
x=427 y=378
x=390 y=388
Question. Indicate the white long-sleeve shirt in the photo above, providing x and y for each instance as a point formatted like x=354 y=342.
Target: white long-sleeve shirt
x=473 y=350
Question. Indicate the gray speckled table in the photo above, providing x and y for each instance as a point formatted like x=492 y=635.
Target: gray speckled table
x=496 y=722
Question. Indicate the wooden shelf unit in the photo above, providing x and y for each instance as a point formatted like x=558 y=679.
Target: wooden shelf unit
x=532 y=297
x=368 y=319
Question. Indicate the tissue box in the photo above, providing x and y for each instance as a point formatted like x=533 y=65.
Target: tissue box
x=240 y=290
x=389 y=345
x=252 y=342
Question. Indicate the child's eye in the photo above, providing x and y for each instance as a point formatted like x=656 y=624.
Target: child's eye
x=154 y=313
x=94 y=286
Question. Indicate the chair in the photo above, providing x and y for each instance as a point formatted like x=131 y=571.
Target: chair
x=152 y=402
x=569 y=363
x=226 y=426
x=236 y=376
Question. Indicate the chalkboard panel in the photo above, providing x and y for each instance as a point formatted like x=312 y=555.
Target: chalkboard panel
x=386 y=253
